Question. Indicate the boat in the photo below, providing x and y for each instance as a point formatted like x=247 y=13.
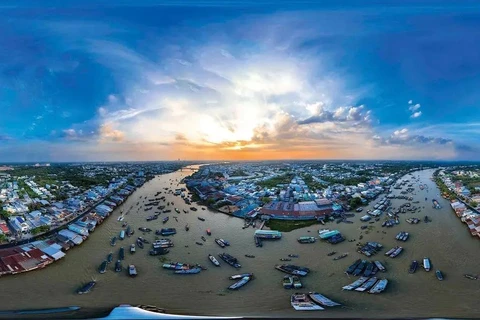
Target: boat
x=209 y=232
x=293 y=255
x=297 y=284
x=193 y=209
x=413 y=266
x=199 y=243
x=240 y=283
x=396 y=252
x=87 y=287
x=213 y=260
x=203 y=238
x=302 y=302
x=185 y=211
x=293 y=270
x=113 y=242
x=122 y=235
x=380 y=266
x=132 y=270
x=354 y=266
x=426 y=264
x=249 y=256
x=439 y=275
x=129 y=232
x=201 y=219
x=143 y=229
x=166 y=231
x=331 y=253
x=120 y=218
x=240 y=276
x=306 y=239
x=220 y=243
x=225 y=242
x=367 y=285
x=322 y=300
x=165 y=220
x=379 y=286
x=118 y=266
x=341 y=256
x=287 y=282
x=132 y=248
x=359 y=269
x=189 y=271
x=109 y=257
x=140 y=243
x=103 y=267
x=187 y=227
x=471 y=277
x=121 y=253
x=285 y=259
x=230 y=260
x=124 y=224
x=176 y=210
x=355 y=284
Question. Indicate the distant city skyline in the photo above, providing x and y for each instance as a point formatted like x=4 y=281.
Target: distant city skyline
x=214 y=80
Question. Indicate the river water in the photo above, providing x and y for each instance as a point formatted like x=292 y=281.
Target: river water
x=445 y=241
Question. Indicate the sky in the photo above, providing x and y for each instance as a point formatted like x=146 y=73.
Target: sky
x=239 y=80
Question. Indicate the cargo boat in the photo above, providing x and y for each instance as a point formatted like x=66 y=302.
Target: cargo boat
x=189 y=271
x=118 y=266
x=302 y=302
x=166 y=231
x=306 y=239
x=132 y=271
x=220 y=243
x=225 y=242
x=293 y=270
x=132 y=248
x=230 y=260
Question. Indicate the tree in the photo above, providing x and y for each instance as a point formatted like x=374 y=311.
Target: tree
x=355 y=202
x=41 y=229
x=266 y=200
x=473 y=204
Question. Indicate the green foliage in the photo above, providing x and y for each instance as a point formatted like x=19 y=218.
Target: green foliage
x=355 y=202
x=473 y=204
x=4 y=213
x=3 y=238
x=39 y=230
x=286 y=226
x=273 y=182
x=34 y=206
x=266 y=200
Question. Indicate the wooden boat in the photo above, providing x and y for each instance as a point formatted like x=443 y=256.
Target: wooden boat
x=165 y=220
x=113 y=242
x=367 y=285
x=225 y=242
x=109 y=257
x=199 y=243
x=426 y=264
x=240 y=276
x=103 y=267
x=201 y=219
x=249 y=256
x=355 y=284
x=287 y=282
x=439 y=275
x=322 y=300
x=121 y=253
x=285 y=259
x=331 y=253
x=187 y=227
x=213 y=260
x=380 y=286
x=380 y=266
x=203 y=238
x=471 y=277
x=140 y=243
x=87 y=287
x=240 y=283
x=118 y=266
x=132 y=248
x=297 y=284
x=341 y=256
x=189 y=271
x=413 y=266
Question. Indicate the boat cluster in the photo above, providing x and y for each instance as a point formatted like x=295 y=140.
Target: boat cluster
x=392 y=253
x=290 y=282
x=370 y=248
x=402 y=236
x=331 y=236
x=243 y=278
x=366 y=284
x=230 y=260
x=365 y=268
x=413 y=220
x=312 y=301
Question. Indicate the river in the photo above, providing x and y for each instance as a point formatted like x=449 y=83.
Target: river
x=445 y=241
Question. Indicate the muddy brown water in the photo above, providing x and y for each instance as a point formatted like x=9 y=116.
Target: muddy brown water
x=445 y=241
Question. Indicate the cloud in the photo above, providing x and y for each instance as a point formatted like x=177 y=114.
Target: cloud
x=108 y=133
x=414 y=110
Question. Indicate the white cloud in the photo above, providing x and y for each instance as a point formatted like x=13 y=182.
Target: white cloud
x=410 y=101
x=416 y=114
x=414 y=107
